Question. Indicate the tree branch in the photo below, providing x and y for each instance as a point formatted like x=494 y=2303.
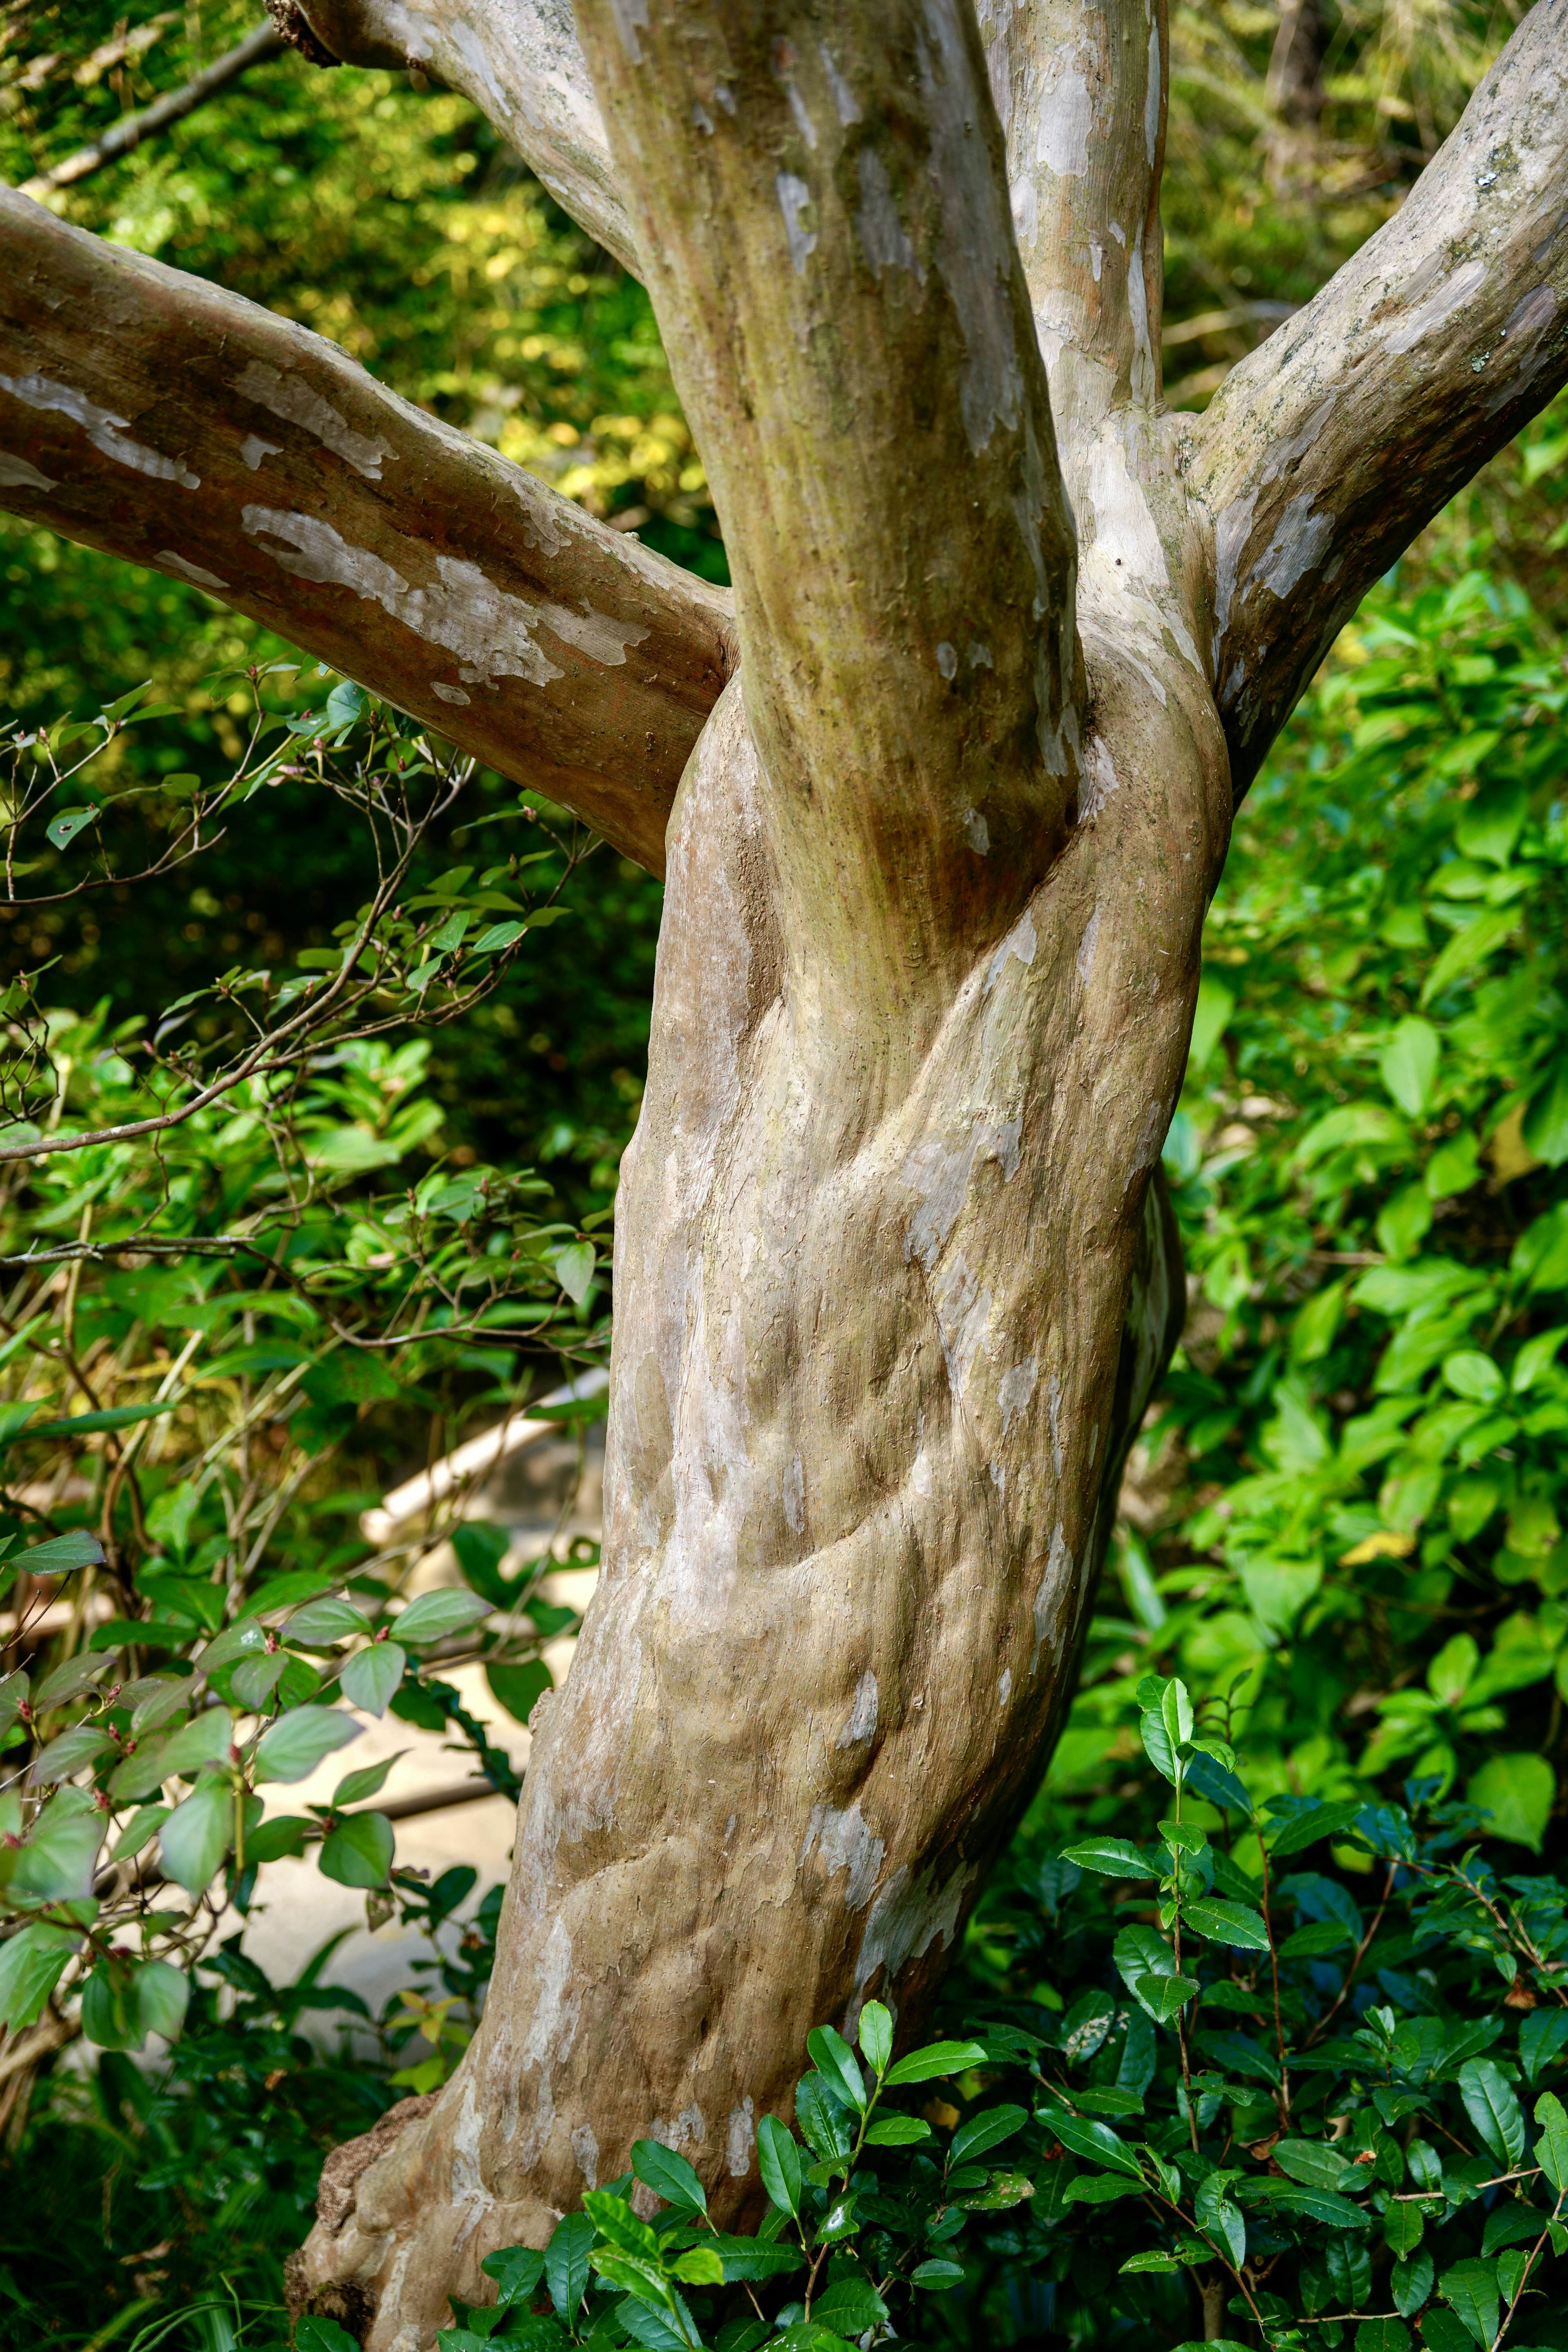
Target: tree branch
x=519 y=62
x=1326 y=451
x=174 y=425
x=822 y=207
x=1080 y=89
x=264 y=42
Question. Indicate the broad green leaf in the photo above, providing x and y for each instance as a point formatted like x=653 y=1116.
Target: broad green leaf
x=876 y=2035
x=31 y=1964
x=1098 y=2188
x=1164 y=1996
x=1403 y=2225
x=321 y=1622
x=936 y=2059
x=898 y=2131
x=516 y=2270
x=160 y=1996
x=359 y=1852
x=669 y=2176
x=83 y=1744
x=243 y=1640
x=700 y=2265
x=1541 y=2040
x=1469 y=947
x=196 y=1837
x=1157 y=1747
x=56 y=1864
x=566 y=2264
x=1551 y=2148
x=778 y=2160
x=1314 y=2162
x=936 y=2276
x=754 y=2258
x=849 y=2305
x=1408 y=1066
x=433 y=1615
x=1093 y=2140
x=986 y=2130
x=60 y=1554
x=1111 y=1857
x=368 y=1782
x=290 y=1748
x=1469 y=2289
x=1227 y=1923
x=1518 y=1791
x=519 y=1688
x=1382 y=2335
x=835 y=2062
x=1410 y=2282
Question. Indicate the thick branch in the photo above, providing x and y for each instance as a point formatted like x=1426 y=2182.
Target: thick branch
x=173 y=423
x=521 y=64
x=264 y=42
x=1080 y=89
x=1326 y=451
x=824 y=209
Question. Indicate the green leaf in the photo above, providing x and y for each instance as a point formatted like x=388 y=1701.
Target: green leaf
x=1150 y=2262
x=372 y=1674
x=835 y=2062
x=1478 y=939
x=1098 y=2189
x=284 y=1834
x=574 y=1269
x=1095 y=2141
x=876 y=2036
x=55 y=1866
x=1551 y=2148
x=322 y=1622
x=83 y=1744
x=669 y=2176
x=1540 y=2038
x=1227 y=1923
x=898 y=2131
x=1411 y=2282
x=31 y=1963
x=1313 y=2162
x=63 y=829
x=314 y=2335
x=359 y=1852
x=1492 y=2108
x=246 y=1639
x=1469 y=2289
x=79 y=1548
x=196 y=1837
x=1408 y=1066
x=83 y=1424
x=1214 y=1781
x=754 y=2258
x=849 y=2305
x=1158 y=1748
x=368 y=1782
x=1111 y=1857
x=1298 y=1831
x=435 y=1615
x=700 y=2265
x=566 y=2264
x=1518 y=1791
x=936 y=2276
x=778 y=2160
x=936 y=2059
x=985 y=2131
x=1382 y=2335
x=290 y=1748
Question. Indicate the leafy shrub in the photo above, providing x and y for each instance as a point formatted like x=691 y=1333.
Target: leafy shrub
x=212 y=1294
x=1254 y=2106
x=1359 y=1489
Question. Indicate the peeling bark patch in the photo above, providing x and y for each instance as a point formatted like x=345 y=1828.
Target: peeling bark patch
x=1300 y=542
x=740 y=2138
x=1020 y=942
x=16 y=474
x=253 y=449
x=1066 y=120
x=1054 y=1407
x=1016 y=1388
x=490 y=632
x=942 y=1178
x=631 y=18
x=883 y=236
x=188 y=571
x=976 y=830
x=1005 y=1687
x=1098 y=780
x=1450 y=295
x=862 y=1722
x=103 y=428
x=912 y=1910
x=794 y=197
x=846 y=1842
x=793 y=1489
x=288 y=396
x=449 y=693
x=1053 y=1585
x=846 y=108
x=585 y=2153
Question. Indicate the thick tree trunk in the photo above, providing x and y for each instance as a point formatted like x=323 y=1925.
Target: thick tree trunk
x=895 y=1274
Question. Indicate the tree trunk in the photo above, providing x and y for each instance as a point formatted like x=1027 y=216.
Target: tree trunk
x=895 y=1275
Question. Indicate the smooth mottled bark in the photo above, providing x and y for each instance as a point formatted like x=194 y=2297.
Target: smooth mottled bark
x=895 y=1274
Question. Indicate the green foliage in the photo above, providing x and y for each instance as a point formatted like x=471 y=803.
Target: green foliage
x=1352 y=1495
x=235 y=1237
x=1354 y=2096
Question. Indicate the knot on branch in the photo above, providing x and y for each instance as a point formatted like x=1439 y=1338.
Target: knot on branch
x=295 y=31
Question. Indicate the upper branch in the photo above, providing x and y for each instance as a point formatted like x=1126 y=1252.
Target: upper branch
x=263 y=42
x=1325 y=452
x=1080 y=89
x=174 y=425
x=820 y=203
x=520 y=63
